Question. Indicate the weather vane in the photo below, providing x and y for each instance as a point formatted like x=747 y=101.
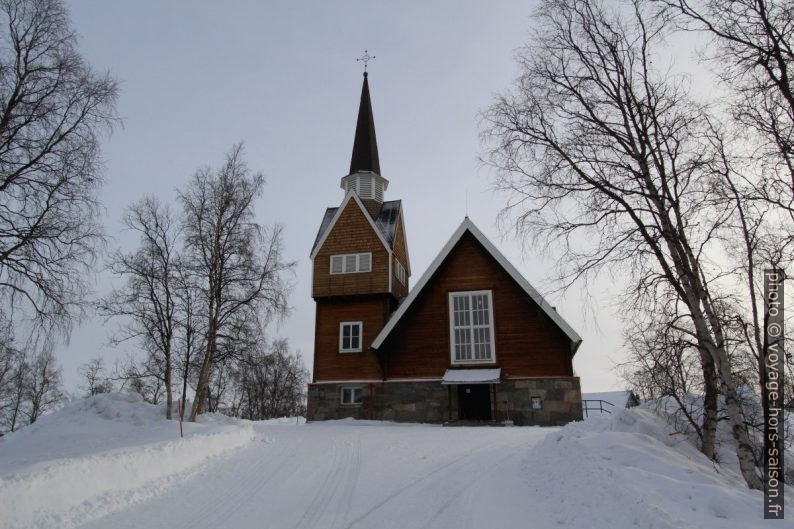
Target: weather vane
x=365 y=59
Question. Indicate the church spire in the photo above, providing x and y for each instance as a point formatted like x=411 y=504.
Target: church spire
x=364 y=177
x=365 y=146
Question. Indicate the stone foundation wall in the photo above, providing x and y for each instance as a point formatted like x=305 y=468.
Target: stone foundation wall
x=560 y=401
x=430 y=402
x=384 y=401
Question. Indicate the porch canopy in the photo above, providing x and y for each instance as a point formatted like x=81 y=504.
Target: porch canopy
x=471 y=376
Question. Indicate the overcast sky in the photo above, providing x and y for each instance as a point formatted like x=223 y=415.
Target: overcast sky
x=197 y=77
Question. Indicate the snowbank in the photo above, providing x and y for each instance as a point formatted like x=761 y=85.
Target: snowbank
x=101 y=454
x=629 y=470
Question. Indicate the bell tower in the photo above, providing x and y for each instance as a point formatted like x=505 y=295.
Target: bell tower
x=360 y=265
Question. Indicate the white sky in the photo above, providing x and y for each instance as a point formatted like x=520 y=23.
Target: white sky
x=197 y=77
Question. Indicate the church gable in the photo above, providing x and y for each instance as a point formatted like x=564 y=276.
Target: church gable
x=387 y=221
x=352 y=256
x=468 y=228
x=523 y=340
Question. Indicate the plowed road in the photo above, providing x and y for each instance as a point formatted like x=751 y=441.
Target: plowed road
x=351 y=475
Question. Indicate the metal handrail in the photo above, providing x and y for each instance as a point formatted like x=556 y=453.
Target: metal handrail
x=600 y=408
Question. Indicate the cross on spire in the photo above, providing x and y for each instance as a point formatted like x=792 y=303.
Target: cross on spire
x=365 y=59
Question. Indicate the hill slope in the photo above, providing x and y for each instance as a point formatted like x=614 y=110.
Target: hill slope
x=113 y=462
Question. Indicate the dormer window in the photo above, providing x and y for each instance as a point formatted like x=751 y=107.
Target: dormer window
x=351 y=263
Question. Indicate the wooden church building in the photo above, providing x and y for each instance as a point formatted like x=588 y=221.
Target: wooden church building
x=472 y=341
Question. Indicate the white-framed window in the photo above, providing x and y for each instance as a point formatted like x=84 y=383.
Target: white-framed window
x=351 y=263
x=351 y=395
x=399 y=271
x=471 y=328
x=350 y=336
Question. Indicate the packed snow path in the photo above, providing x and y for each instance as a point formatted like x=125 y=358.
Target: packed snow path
x=334 y=475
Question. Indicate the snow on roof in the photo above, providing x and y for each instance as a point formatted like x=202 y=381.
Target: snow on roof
x=329 y=214
x=387 y=219
x=471 y=376
x=617 y=398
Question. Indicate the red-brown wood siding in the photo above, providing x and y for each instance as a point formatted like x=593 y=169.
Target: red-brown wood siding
x=352 y=233
x=329 y=363
x=400 y=253
x=527 y=342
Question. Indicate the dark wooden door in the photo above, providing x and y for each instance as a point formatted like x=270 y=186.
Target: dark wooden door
x=474 y=402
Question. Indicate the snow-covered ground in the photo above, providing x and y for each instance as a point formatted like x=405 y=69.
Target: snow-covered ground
x=113 y=462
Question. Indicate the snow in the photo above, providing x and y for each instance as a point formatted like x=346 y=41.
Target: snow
x=631 y=470
x=101 y=454
x=114 y=462
x=467 y=376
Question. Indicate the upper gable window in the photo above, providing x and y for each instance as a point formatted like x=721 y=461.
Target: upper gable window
x=471 y=328
x=351 y=263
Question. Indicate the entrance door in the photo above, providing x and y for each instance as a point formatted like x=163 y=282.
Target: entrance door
x=474 y=402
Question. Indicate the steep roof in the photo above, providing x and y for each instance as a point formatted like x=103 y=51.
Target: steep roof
x=386 y=221
x=468 y=226
x=365 y=145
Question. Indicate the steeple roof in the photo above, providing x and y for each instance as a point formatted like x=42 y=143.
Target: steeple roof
x=365 y=146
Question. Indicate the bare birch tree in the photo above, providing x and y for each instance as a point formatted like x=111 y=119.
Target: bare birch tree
x=752 y=52
x=595 y=141
x=44 y=385
x=190 y=326
x=30 y=388
x=146 y=303
x=664 y=363
x=53 y=109
x=270 y=383
x=238 y=263
x=95 y=377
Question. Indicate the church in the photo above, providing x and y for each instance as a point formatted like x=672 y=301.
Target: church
x=471 y=342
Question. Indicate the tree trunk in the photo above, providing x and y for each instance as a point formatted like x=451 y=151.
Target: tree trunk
x=184 y=379
x=169 y=397
x=206 y=370
x=708 y=329
x=17 y=405
x=204 y=379
x=744 y=450
x=709 y=427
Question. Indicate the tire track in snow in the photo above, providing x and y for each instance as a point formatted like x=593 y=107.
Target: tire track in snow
x=322 y=498
x=403 y=489
x=252 y=479
x=331 y=504
x=350 y=482
x=438 y=474
x=490 y=468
